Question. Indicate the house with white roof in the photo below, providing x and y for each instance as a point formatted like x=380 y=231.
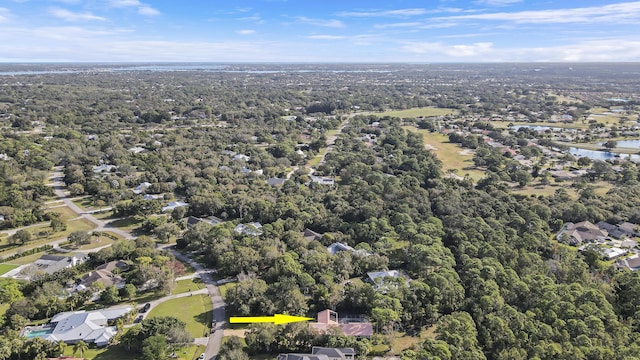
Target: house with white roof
x=91 y=327
x=253 y=229
x=141 y=187
x=174 y=204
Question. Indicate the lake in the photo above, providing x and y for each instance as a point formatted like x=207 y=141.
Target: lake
x=601 y=155
x=633 y=144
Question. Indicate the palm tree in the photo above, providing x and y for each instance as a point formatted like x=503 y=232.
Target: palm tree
x=80 y=346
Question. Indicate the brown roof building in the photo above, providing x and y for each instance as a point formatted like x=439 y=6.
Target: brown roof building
x=328 y=319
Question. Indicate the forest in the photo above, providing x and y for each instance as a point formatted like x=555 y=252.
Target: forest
x=484 y=274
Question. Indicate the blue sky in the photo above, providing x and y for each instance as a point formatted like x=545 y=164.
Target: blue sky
x=319 y=30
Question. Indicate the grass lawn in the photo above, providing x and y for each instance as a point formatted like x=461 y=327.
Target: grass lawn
x=196 y=311
x=84 y=203
x=27 y=259
x=190 y=352
x=187 y=285
x=116 y=352
x=65 y=212
x=453 y=156
x=129 y=223
x=403 y=342
x=562 y=98
x=316 y=159
x=4 y=308
x=417 y=112
x=103 y=215
x=225 y=287
x=4 y=268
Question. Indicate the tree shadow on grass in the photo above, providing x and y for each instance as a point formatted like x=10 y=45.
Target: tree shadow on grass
x=205 y=319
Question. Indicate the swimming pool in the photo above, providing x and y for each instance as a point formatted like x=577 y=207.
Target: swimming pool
x=37 y=333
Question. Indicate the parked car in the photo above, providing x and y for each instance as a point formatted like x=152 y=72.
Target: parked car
x=146 y=307
x=138 y=319
x=201 y=357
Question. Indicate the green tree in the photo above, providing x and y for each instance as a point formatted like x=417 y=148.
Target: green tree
x=154 y=348
x=20 y=237
x=128 y=291
x=110 y=295
x=80 y=346
x=79 y=238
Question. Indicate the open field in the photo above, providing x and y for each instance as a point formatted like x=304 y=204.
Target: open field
x=195 y=311
x=26 y=259
x=65 y=212
x=536 y=189
x=4 y=268
x=41 y=234
x=562 y=98
x=453 y=156
x=417 y=112
x=187 y=285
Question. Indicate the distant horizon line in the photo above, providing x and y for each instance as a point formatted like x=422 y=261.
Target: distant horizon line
x=171 y=62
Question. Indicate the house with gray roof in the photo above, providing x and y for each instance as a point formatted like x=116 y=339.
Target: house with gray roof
x=322 y=353
x=91 y=327
x=253 y=229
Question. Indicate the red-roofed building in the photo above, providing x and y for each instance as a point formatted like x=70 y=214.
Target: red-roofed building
x=328 y=319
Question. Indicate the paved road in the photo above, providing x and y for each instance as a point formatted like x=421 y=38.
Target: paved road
x=59 y=188
x=214 y=340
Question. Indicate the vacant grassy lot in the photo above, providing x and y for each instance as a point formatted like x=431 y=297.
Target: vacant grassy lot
x=187 y=285
x=4 y=268
x=26 y=259
x=65 y=212
x=116 y=352
x=417 y=112
x=453 y=156
x=195 y=311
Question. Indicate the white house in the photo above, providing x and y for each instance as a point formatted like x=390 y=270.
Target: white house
x=253 y=229
x=89 y=326
x=174 y=204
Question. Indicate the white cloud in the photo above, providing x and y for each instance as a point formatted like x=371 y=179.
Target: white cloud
x=452 y=51
x=4 y=15
x=73 y=16
x=595 y=50
x=320 y=22
x=143 y=9
x=397 y=25
x=386 y=13
x=612 y=13
x=245 y=32
x=148 y=11
x=326 y=37
x=498 y=2
x=124 y=3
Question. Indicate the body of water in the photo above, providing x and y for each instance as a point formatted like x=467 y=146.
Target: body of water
x=37 y=333
x=633 y=144
x=183 y=67
x=602 y=155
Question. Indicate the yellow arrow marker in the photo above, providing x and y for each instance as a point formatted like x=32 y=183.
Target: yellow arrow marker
x=277 y=319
